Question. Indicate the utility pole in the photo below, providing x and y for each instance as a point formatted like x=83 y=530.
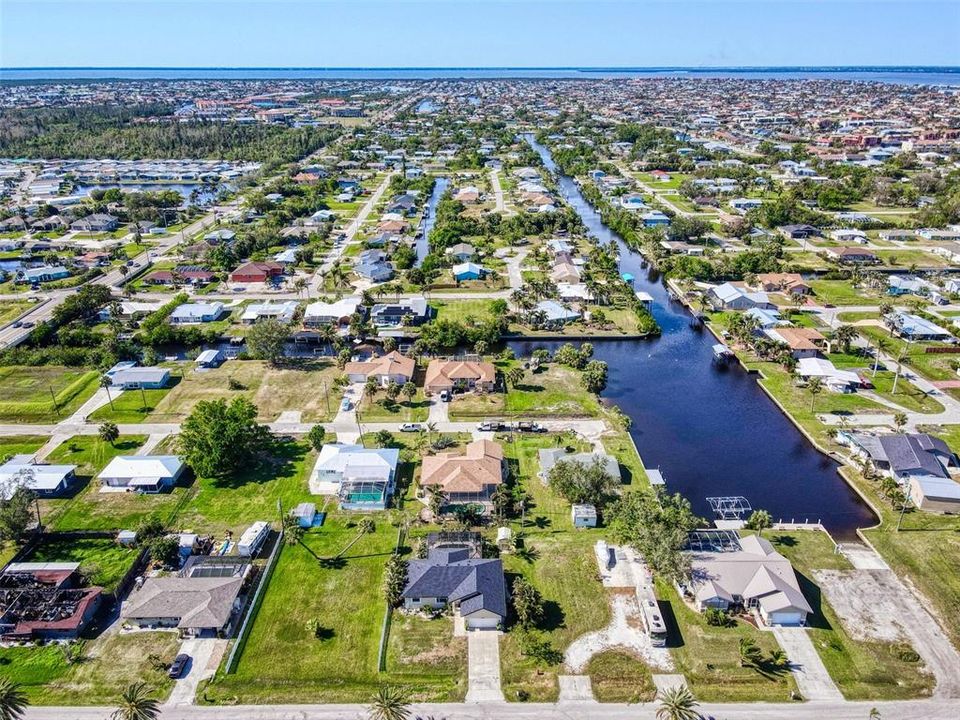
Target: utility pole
x=54 y=399
x=326 y=395
x=356 y=415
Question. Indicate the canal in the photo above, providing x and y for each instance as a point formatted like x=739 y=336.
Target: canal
x=710 y=431
x=426 y=225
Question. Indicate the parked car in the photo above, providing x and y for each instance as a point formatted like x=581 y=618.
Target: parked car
x=345 y=404
x=492 y=426
x=445 y=395
x=526 y=426
x=411 y=427
x=179 y=665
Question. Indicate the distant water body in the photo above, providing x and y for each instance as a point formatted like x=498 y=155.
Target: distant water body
x=894 y=75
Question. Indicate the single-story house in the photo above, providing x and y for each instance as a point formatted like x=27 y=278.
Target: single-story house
x=449 y=576
x=194 y=313
x=339 y=312
x=98 y=222
x=468 y=477
x=551 y=456
x=362 y=478
x=732 y=297
x=468 y=271
x=834 y=378
x=378 y=271
x=851 y=255
x=556 y=313
x=405 y=312
x=143 y=473
x=196 y=606
x=766 y=318
x=849 y=235
x=210 y=358
x=282 y=311
x=909 y=284
x=632 y=201
x=803 y=342
x=127 y=376
x=654 y=218
x=799 y=232
x=223 y=235
x=743 y=205
x=461 y=252
x=392 y=367
x=753 y=575
x=45 y=273
x=453 y=375
x=44 y=480
x=256 y=272
x=915 y=328
x=791 y=283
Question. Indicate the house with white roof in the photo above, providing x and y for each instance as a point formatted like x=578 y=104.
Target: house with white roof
x=339 y=312
x=195 y=313
x=142 y=473
x=44 y=480
x=282 y=311
x=831 y=376
x=914 y=328
x=362 y=478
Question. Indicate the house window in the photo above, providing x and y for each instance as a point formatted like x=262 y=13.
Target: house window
x=415 y=600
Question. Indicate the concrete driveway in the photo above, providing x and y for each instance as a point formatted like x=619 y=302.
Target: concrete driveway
x=483 y=667
x=808 y=669
x=205 y=654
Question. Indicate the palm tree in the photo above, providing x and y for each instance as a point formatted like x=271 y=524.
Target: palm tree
x=881 y=347
x=136 y=704
x=677 y=703
x=844 y=335
x=390 y=703
x=13 y=701
x=105 y=383
x=300 y=284
x=815 y=386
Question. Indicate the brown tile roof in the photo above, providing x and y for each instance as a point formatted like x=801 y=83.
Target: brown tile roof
x=800 y=338
x=480 y=465
x=390 y=364
x=446 y=372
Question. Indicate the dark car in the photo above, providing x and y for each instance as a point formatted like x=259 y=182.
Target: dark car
x=525 y=426
x=179 y=665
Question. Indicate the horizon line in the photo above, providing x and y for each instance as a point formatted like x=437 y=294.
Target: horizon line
x=894 y=68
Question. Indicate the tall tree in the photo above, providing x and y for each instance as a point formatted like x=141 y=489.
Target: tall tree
x=220 y=440
x=266 y=340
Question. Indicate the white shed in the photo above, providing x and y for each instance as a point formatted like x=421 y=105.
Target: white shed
x=584 y=515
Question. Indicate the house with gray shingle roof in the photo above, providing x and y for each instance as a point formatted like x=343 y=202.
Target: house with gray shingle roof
x=449 y=576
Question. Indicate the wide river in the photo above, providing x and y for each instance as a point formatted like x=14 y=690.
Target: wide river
x=711 y=432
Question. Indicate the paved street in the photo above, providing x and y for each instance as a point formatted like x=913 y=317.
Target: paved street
x=836 y=710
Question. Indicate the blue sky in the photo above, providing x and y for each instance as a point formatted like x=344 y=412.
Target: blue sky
x=466 y=33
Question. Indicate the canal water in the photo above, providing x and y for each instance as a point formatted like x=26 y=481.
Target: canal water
x=423 y=242
x=711 y=431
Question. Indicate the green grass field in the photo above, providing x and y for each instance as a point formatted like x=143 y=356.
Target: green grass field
x=20 y=445
x=112 y=662
x=552 y=391
x=43 y=394
x=619 y=677
x=12 y=309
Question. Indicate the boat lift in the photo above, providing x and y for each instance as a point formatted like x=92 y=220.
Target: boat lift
x=730 y=511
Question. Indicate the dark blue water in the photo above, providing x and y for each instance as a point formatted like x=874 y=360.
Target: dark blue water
x=423 y=242
x=710 y=431
x=895 y=75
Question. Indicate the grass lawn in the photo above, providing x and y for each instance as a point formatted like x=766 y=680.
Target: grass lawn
x=134 y=406
x=423 y=650
x=462 y=310
x=25 y=392
x=91 y=509
x=841 y=292
x=382 y=409
x=619 y=677
x=233 y=504
x=21 y=445
x=564 y=569
x=862 y=670
x=709 y=657
x=303 y=387
x=101 y=559
x=905 y=258
x=283 y=662
x=12 y=309
x=619 y=444
x=907 y=396
x=933 y=366
x=113 y=662
x=552 y=391
x=854 y=316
